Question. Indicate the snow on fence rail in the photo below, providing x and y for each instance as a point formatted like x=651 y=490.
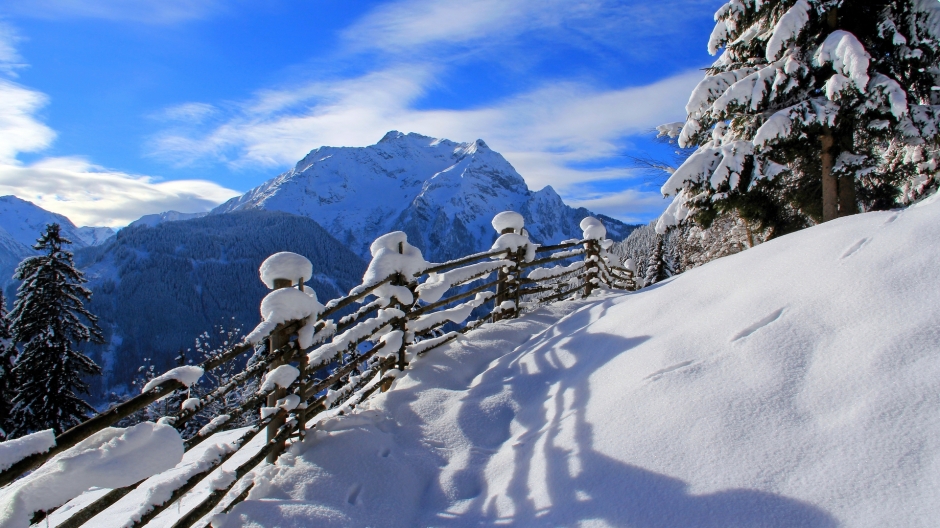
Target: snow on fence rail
x=314 y=367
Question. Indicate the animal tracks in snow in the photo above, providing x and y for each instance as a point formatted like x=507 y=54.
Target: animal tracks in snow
x=855 y=247
x=770 y=318
x=353 y=496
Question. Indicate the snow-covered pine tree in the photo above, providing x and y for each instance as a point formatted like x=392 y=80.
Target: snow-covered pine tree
x=813 y=107
x=7 y=382
x=657 y=268
x=47 y=322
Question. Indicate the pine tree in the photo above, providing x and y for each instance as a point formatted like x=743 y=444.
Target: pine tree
x=814 y=108
x=658 y=269
x=46 y=321
x=7 y=382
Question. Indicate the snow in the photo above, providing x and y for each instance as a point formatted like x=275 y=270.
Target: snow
x=792 y=384
x=508 y=220
x=432 y=289
x=111 y=458
x=512 y=242
x=847 y=55
x=554 y=271
x=391 y=254
x=281 y=376
x=12 y=451
x=360 y=331
x=593 y=228
x=281 y=306
x=457 y=314
x=190 y=404
x=285 y=265
x=187 y=375
x=787 y=29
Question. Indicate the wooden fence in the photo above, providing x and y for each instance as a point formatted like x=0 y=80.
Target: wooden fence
x=351 y=372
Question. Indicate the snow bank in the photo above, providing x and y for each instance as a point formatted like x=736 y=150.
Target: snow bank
x=12 y=451
x=285 y=265
x=508 y=220
x=111 y=458
x=793 y=384
x=187 y=375
x=280 y=306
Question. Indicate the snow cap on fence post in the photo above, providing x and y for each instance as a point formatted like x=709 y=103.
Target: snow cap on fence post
x=280 y=270
x=392 y=254
x=508 y=222
x=593 y=228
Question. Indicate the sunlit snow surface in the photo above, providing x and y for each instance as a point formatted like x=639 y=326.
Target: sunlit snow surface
x=794 y=384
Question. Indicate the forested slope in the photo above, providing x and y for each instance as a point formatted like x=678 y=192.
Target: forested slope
x=157 y=288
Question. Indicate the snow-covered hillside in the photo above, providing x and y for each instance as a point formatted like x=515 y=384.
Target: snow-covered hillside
x=166 y=216
x=793 y=384
x=442 y=193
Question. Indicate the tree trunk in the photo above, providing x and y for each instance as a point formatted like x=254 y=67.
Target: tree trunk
x=848 y=204
x=830 y=188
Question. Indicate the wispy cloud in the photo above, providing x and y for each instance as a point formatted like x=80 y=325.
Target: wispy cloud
x=545 y=133
x=92 y=195
x=141 y=11
x=86 y=193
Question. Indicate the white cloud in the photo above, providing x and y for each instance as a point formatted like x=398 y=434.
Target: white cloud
x=543 y=133
x=20 y=131
x=631 y=206
x=91 y=195
x=87 y=194
x=10 y=59
x=142 y=11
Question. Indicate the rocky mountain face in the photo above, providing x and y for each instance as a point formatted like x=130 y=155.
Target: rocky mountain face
x=441 y=193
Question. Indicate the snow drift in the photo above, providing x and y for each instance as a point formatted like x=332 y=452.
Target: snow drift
x=794 y=384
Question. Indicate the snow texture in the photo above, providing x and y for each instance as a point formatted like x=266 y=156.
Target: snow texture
x=508 y=220
x=806 y=395
x=187 y=375
x=281 y=376
x=110 y=458
x=847 y=55
x=342 y=342
x=190 y=404
x=787 y=29
x=457 y=314
x=437 y=284
x=391 y=254
x=281 y=306
x=593 y=229
x=285 y=265
x=12 y=451
x=214 y=424
x=554 y=271
x=514 y=241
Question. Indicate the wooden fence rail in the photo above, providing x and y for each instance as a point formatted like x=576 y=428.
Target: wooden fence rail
x=347 y=373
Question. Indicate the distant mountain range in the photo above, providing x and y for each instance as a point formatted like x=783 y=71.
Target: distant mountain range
x=169 y=277
x=441 y=193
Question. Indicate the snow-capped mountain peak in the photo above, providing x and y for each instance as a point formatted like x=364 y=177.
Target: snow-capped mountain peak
x=442 y=193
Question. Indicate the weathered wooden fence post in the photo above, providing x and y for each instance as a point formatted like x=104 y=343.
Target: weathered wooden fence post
x=591 y=266
x=275 y=342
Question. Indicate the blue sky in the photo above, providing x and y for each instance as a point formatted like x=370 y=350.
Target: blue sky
x=111 y=109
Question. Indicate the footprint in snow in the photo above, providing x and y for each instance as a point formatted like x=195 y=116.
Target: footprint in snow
x=773 y=316
x=854 y=248
x=353 y=496
x=385 y=452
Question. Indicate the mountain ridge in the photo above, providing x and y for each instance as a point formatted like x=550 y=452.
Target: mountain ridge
x=443 y=194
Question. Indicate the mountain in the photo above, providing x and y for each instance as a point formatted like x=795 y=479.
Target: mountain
x=441 y=193
x=95 y=236
x=21 y=223
x=155 y=289
x=167 y=216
